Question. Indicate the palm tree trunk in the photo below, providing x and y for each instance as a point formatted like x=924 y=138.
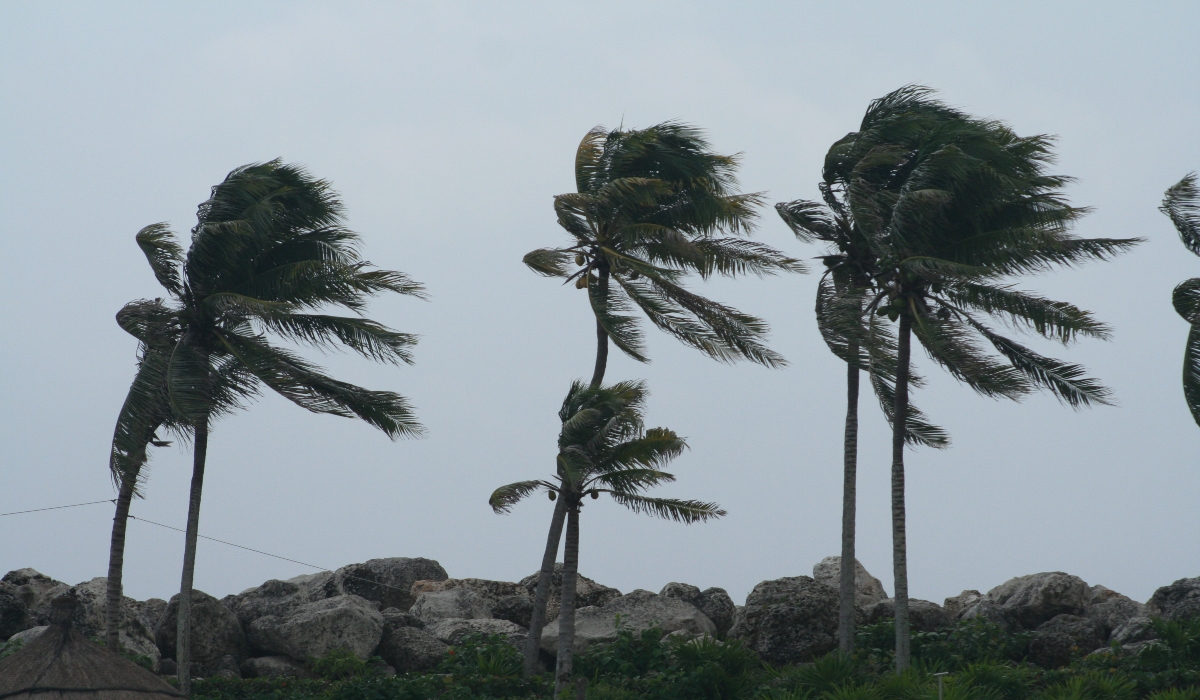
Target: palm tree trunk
x=116 y=563
x=183 y=639
x=849 y=505
x=899 y=537
x=538 y=620
x=566 y=613
x=601 y=335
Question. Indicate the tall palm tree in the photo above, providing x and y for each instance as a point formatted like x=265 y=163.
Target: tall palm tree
x=652 y=206
x=955 y=207
x=1182 y=204
x=603 y=447
x=268 y=251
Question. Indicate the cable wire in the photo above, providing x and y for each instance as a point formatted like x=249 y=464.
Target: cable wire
x=73 y=505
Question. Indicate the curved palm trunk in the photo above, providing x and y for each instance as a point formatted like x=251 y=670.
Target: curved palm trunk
x=183 y=638
x=116 y=563
x=849 y=507
x=601 y=336
x=899 y=536
x=538 y=620
x=566 y=614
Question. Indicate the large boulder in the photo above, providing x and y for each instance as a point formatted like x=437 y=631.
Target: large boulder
x=868 y=590
x=1178 y=601
x=31 y=585
x=789 y=620
x=923 y=615
x=452 y=631
x=1037 y=598
x=315 y=629
x=955 y=606
x=271 y=598
x=1056 y=641
x=587 y=592
x=274 y=667
x=457 y=603
x=715 y=603
x=137 y=623
x=1111 y=609
x=503 y=600
x=990 y=612
x=215 y=632
x=385 y=581
x=409 y=649
x=28 y=635
x=1135 y=630
x=638 y=610
x=14 y=614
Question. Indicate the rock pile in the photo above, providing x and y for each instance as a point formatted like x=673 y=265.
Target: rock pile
x=410 y=612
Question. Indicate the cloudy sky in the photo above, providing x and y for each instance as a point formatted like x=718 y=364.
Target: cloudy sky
x=447 y=128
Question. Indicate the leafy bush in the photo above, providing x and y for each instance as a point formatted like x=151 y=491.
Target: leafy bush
x=972 y=641
x=338 y=664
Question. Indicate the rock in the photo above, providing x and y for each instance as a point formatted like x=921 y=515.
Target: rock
x=587 y=592
x=399 y=618
x=1111 y=609
x=28 y=635
x=14 y=614
x=272 y=598
x=227 y=667
x=517 y=609
x=167 y=667
x=215 y=632
x=314 y=629
x=274 y=667
x=1178 y=601
x=923 y=615
x=639 y=610
x=387 y=581
x=1051 y=649
x=456 y=603
x=138 y=620
x=1056 y=641
x=868 y=590
x=31 y=585
x=410 y=649
x=959 y=604
x=504 y=600
x=1086 y=634
x=1134 y=630
x=1037 y=598
x=715 y=603
x=990 y=612
x=789 y=620
x=452 y=631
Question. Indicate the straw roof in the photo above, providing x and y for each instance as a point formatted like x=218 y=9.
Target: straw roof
x=62 y=664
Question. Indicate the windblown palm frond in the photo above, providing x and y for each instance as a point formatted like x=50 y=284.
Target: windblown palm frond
x=1182 y=204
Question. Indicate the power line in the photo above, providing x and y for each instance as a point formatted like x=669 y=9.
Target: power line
x=73 y=505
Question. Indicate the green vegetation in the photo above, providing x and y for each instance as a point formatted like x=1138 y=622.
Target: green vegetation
x=1182 y=205
x=982 y=662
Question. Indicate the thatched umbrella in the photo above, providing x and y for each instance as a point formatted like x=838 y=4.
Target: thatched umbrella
x=62 y=664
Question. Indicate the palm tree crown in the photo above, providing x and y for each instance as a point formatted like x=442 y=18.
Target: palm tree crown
x=1182 y=205
x=651 y=206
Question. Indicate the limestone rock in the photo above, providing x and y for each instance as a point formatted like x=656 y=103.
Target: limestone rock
x=504 y=600
x=988 y=611
x=1111 y=609
x=456 y=603
x=868 y=590
x=314 y=629
x=789 y=620
x=215 y=632
x=587 y=592
x=452 y=631
x=408 y=649
x=386 y=581
x=31 y=585
x=28 y=635
x=1178 y=601
x=1037 y=598
x=274 y=667
x=1056 y=641
x=1133 y=631
x=715 y=603
x=955 y=606
x=923 y=615
x=639 y=610
x=271 y=598
x=138 y=619
x=14 y=614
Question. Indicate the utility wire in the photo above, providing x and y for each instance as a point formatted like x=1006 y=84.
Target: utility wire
x=73 y=505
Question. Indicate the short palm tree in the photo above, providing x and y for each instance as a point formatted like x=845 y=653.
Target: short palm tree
x=652 y=206
x=268 y=251
x=1182 y=204
x=954 y=207
x=603 y=447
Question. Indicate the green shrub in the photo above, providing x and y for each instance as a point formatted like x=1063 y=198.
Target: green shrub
x=338 y=664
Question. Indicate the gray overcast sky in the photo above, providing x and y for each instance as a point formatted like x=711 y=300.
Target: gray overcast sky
x=447 y=127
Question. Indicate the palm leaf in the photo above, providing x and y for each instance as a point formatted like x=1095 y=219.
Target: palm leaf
x=681 y=511
x=165 y=256
x=1182 y=205
x=1191 y=373
x=549 y=262
x=1066 y=381
x=505 y=497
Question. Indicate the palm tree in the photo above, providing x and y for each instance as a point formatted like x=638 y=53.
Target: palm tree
x=603 y=447
x=863 y=344
x=268 y=251
x=653 y=205
x=1182 y=204
x=954 y=207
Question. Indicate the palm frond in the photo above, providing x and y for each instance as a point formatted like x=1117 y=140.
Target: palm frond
x=1056 y=320
x=505 y=497
x=549 y=262
x=951 y=345
x=632 y=480
x=1186 y=300
x=611 y=308
x=918 y=429
x=1182 y=204
x=1066 y=381
x=152 y=322
x=809 y=221
x=1191 y=373
x=681 y=511
x=736 y=256
x=364 y=336
x=165 y=256
x=146 y=408
x=657 y=447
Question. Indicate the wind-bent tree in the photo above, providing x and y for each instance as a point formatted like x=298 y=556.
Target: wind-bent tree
x=269 y=251
x=1182 y=204
x=652 y=206
x=603 y=447
x=955 y=207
